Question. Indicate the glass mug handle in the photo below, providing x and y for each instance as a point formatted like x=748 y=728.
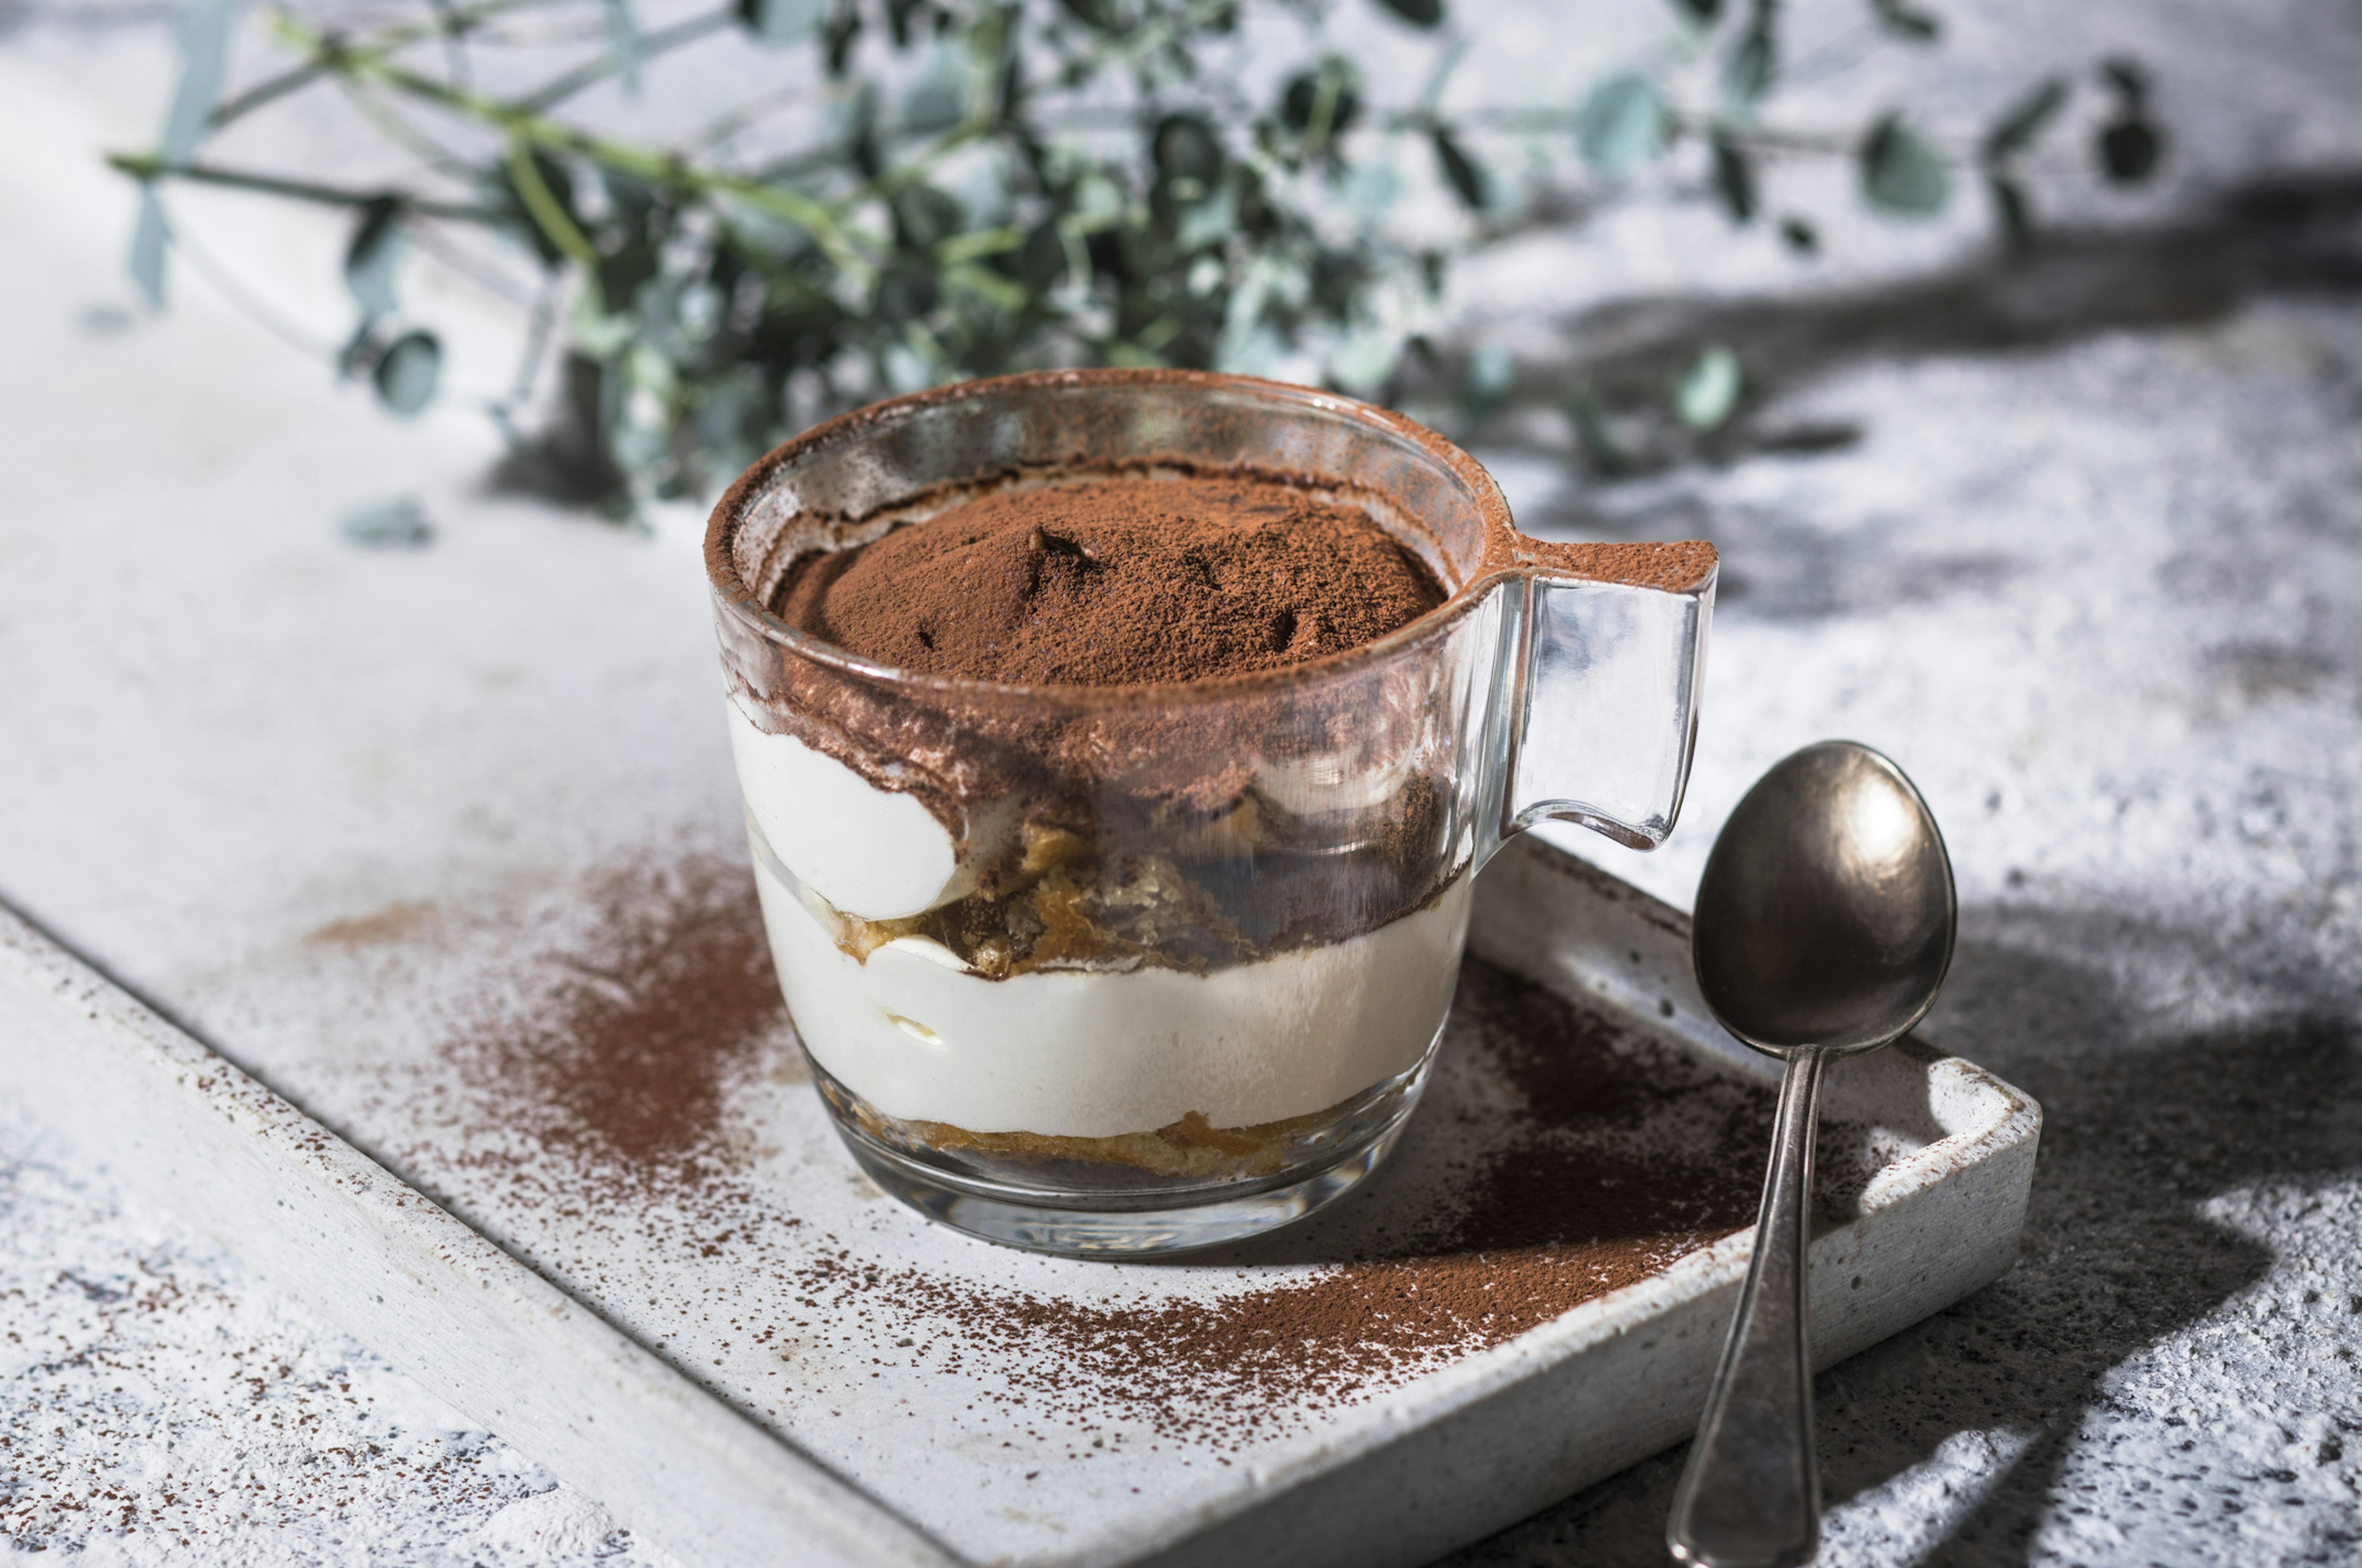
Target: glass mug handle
x=1599 y=711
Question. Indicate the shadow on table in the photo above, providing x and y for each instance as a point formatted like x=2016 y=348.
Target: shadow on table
x=2277 y=233
x=2139 y=1130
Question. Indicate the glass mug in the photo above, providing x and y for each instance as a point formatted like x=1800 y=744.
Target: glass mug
x=1128 y=969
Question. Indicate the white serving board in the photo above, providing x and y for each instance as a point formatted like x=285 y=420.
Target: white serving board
x=344 y=820
x=901 y=1471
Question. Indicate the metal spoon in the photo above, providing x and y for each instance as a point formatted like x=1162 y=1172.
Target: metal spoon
x=1824 y=927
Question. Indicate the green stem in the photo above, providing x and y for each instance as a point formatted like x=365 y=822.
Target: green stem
x=146 y=166
x=548 y=215
x=815 y=218
x=329 y=54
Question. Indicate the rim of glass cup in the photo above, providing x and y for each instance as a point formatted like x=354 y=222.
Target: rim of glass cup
x=734 y=594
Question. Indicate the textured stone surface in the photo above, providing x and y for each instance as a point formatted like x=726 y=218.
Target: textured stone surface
x=156 y=1406
x=2081 y=545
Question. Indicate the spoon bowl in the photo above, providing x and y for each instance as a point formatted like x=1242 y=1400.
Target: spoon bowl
x=1826 y=914
x=1824 y=927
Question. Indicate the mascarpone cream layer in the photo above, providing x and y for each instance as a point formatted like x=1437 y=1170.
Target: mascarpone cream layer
x=871 y=852
x=1096 y=1054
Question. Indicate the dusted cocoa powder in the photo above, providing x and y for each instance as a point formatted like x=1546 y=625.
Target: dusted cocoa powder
x=1560 y=1155
x=1116 y=581
x=616 y=1052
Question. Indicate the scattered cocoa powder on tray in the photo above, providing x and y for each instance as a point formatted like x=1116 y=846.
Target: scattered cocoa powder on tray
x=617 y=1053
x=1112 y=581
x=1560 y=1155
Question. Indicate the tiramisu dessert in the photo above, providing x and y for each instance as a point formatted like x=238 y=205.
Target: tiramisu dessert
x=1118 y=749
x=1167 y=937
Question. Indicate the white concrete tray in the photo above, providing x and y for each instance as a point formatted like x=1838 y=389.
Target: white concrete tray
x=703 y=1317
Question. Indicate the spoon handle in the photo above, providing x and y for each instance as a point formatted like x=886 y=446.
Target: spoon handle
x=1751 y=1496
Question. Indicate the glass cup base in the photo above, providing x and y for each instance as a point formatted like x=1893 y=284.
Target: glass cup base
x=1135 y=1223
x=1018 y=1219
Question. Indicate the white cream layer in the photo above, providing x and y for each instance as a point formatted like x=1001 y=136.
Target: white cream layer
x=870 y=852
x=1092 y=1054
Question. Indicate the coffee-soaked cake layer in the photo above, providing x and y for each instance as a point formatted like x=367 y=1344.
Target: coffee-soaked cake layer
x=1191 y=1148
x=1116 y=581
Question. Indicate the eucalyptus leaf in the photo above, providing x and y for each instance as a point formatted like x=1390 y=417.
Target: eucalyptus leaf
x=1800 y=236
x=372 y=258
x=1485 y=383
x=1100 y=15
x=1186 y=147
x=1601 y=449
x=624 y=40
x=1371 y=189
x=1622 y=124
x=2129 y=149
x=1209 y=222
x=898 y=16
x=1901 y=172
x=205 y=54
x=2128 y=79
x=906 y=369
x=938 y=99
x=926 y=216
x=151 y=236
x=1704 y=395
x=1417 y=13
x=205 y=35
x=1702 y=12
x=1301 y=102
x=907 y=292
x=1041 y=260
x=1748 y=71
x=1734 y=180
x=843 y=32
x=1462 y=172
x=1362 y=361
x=779 y=22
x=1907 y=21
x=408 y=373
x=400 y=523
x=2012 y=209
x=2024 y=120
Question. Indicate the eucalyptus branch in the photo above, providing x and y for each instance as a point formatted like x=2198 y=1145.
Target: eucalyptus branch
x=1138 y=207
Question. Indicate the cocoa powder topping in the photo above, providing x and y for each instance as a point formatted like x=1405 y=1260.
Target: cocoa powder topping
x=1116 y=581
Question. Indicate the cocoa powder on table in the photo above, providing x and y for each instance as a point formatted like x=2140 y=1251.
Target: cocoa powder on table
x=1116 y=581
